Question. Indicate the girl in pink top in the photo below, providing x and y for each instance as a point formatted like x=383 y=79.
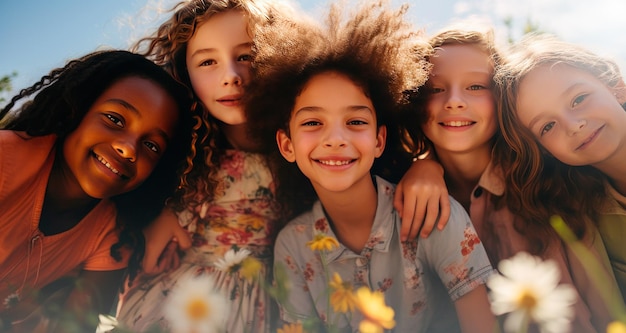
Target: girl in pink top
x=84 y=166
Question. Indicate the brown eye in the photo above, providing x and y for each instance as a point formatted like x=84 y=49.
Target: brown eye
x=117 y=121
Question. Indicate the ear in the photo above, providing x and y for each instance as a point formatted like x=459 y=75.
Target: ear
x=285 y=146
x=619 y=90
x=381 y=140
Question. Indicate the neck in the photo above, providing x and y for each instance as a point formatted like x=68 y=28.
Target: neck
x=351 y=213
x=65 y=203
x=615 y=168
x=238 y=138
x=463 y=171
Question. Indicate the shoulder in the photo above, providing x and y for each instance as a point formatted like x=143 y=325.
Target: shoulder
x=301 y=230
x=34 y=144
x=457 y=228
x=301 y=225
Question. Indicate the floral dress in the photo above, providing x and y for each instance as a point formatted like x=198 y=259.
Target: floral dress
x=241 y=216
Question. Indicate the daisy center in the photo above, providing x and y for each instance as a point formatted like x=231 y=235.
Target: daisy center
x=527 y=300
x=198 y=309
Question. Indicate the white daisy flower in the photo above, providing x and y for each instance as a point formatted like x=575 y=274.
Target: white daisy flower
x=11 y=300
x=232 y=260
x=195 y=306
x=107 y=323
x=529 y=289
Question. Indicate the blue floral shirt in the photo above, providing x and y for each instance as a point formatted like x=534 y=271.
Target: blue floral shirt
x=420 y=278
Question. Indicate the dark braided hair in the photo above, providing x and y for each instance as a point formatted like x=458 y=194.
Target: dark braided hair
x=65 y=95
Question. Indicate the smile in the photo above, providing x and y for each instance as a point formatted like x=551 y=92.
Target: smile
x=590 y=138
x=108 y=165
x=457 y=123
x=334 y=162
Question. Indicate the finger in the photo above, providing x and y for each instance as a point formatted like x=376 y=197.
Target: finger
x=182 y=238
x=165 y=261
x=430 y=220
x=408 y=218
x=398 y=199
x=418 y=218
x=175 y=261
x=154 y=248
x=444 y=211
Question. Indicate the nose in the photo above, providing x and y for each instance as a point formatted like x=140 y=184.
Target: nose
x=334 y=137
x=574 y=125
x=232 y=75
x=126 y=149
x=455 y=100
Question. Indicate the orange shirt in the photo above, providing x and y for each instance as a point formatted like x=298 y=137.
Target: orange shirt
x=28 y=259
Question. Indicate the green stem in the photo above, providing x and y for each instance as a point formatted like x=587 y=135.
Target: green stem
x=597 y=273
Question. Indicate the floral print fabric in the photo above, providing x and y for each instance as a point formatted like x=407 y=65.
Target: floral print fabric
x=241 y=216
x=420 y=279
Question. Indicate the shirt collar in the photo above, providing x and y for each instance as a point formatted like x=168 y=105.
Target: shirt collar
x=381 y=233
x=492 y=180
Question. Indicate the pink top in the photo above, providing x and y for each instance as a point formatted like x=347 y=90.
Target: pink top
x=495 y=227
x=28 y=259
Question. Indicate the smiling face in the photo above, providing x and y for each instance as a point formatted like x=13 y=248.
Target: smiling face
x=460 y=104
x=573 y=115
x=334 y=137
x=120 y=140
x=218 y=62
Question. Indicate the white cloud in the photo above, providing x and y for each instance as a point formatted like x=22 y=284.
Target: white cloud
x=597 y=25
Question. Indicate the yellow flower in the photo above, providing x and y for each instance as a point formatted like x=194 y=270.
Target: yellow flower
x=250 y=268
x=322 y=242
x=291 y=328
x=378 y=316
x=342 y=298
x=616 y=327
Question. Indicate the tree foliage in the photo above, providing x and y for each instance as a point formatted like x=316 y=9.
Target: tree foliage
x=5 y=85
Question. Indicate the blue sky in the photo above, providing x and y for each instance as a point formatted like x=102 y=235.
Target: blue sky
x=39 y=35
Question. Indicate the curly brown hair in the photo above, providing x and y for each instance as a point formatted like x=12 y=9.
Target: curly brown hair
x=540 y=185
x=376 y=48
x=168 y=47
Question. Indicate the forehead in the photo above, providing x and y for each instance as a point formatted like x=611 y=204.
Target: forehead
x=144 y=98
x=332 y=88
x=452 y=58
x=230 y=27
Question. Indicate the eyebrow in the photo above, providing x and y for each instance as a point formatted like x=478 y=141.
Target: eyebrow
x=320 y=109
x=134 y=110
x=212 y=49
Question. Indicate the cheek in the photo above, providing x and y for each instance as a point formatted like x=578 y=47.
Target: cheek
x=202 y=84
x=145 y=169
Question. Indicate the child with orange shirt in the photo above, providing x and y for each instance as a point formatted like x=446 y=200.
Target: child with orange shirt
x=84 y=166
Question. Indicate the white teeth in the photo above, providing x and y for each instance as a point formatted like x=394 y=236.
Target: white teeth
x=458 y=123
x=335 y=162
x=105 y=163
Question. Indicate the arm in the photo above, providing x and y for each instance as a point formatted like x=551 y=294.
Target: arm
x=295 y=303
x=460 y=260
x=474 y=312
x=163 y=236
x=421 y=198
